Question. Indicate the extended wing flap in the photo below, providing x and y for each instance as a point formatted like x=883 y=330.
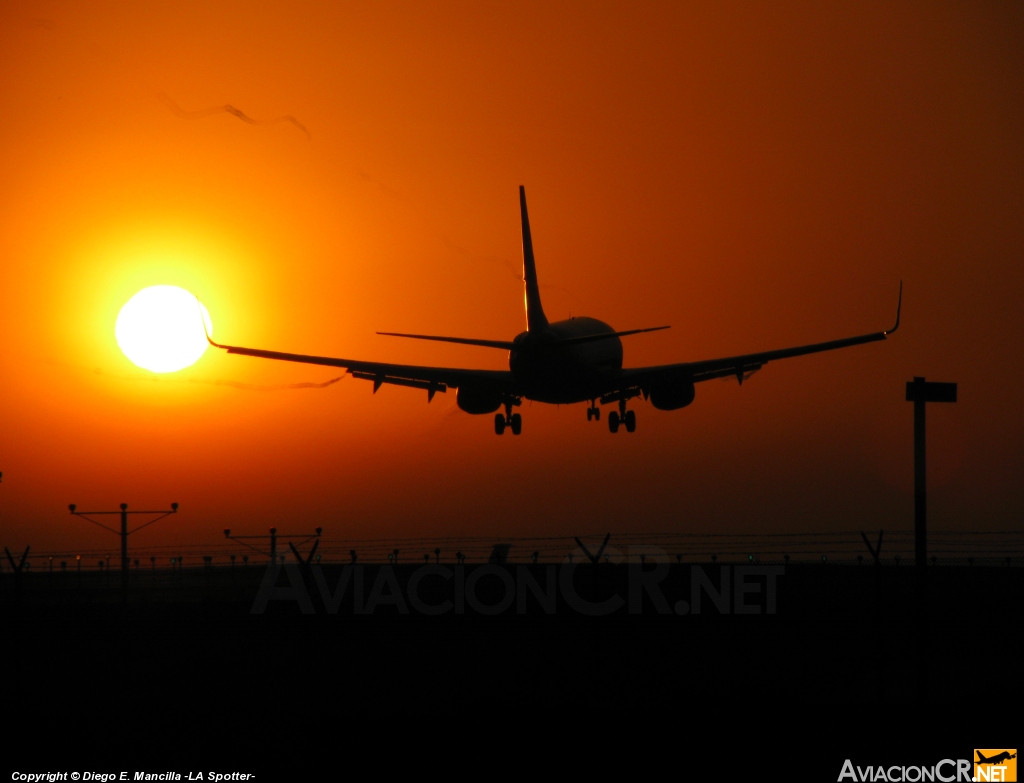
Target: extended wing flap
x=735 y=365
x=433 y=379
x=739 y=366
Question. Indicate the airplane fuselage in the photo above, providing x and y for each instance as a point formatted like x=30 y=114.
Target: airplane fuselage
x=546 y=370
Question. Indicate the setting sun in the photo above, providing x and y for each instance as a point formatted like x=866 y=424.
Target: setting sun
x=159 y=328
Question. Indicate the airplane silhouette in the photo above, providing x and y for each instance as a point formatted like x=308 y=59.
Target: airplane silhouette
x=1004 y=756
x=576 y=360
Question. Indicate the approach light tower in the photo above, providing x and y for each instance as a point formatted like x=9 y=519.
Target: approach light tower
x=921 y=392
x=124 y=532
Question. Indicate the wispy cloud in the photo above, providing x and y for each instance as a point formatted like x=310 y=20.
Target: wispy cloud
x=267 y=387
x=227 y=108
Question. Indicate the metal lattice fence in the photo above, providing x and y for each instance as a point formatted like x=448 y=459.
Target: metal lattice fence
x=950 y=548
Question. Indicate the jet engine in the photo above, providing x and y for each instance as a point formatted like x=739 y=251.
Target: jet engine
x=478 y=399
x=671 y=395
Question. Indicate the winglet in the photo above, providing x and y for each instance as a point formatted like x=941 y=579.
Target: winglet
x=899 y=306
x=202 y=320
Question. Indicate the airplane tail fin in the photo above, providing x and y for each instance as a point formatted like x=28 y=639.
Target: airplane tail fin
x=535 y=319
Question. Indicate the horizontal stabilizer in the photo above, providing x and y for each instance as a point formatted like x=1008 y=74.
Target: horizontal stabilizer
x=503 y=344
x=594 y=337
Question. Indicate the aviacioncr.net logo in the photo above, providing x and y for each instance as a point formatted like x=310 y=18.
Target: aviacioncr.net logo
x=995 y=764
x=945 y=771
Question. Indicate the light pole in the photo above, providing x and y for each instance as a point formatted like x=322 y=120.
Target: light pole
x=124 y=532
x=273 y=541
x=920 y=392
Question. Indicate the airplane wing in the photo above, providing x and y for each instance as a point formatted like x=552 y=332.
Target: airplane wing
x=739 y=366
x=432 y=379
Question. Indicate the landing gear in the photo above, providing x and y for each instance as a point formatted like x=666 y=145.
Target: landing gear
x=511 y=420
x=593 y=412
x=622 y=416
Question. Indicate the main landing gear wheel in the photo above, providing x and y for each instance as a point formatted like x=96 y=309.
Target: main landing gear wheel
x=511 y=420
x=622 y=416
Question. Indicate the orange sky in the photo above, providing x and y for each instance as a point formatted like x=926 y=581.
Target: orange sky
x=757 y=176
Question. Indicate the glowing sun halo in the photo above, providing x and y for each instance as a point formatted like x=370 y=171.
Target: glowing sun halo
x=159 y=328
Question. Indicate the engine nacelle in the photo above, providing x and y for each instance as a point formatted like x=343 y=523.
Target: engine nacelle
x=672 y=395
x=476 y=399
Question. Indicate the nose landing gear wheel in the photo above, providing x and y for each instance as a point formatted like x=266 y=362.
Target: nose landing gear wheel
x=516 y=424
x=613 y=421
x=499 y=424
